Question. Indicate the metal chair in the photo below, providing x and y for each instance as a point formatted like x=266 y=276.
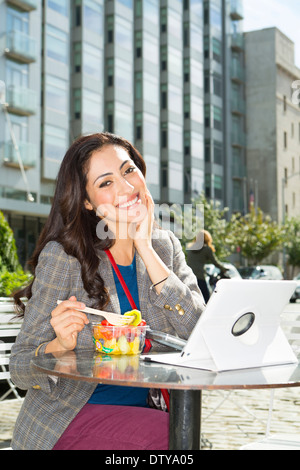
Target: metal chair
x=9 y=329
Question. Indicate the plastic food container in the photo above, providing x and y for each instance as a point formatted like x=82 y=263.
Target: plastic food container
x=119 y=340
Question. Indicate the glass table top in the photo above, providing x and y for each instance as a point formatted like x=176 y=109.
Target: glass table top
x=91 y=366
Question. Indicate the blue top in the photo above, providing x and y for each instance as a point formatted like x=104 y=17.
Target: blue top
x=115 y=394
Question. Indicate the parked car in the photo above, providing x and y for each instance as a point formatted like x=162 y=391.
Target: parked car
x=296 y=294
x=261 y=272
x=213 y=273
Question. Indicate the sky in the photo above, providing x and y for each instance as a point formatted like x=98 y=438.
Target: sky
x=283 y=14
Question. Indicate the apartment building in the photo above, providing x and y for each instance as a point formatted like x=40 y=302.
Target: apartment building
x=273 y=123
x=166 y=74
x=224 y=85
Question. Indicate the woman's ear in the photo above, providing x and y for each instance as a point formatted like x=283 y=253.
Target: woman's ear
x=88 y=205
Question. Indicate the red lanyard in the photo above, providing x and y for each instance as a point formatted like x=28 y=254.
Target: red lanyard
x=148 y=344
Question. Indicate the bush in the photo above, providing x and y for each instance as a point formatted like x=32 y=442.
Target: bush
x=11 y=282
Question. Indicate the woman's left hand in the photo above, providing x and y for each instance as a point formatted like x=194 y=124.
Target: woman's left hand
x=141 y=232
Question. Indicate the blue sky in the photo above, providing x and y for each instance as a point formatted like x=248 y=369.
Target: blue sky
x=284 y=14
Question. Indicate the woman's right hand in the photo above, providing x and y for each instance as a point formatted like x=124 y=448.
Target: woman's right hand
x=67 y=322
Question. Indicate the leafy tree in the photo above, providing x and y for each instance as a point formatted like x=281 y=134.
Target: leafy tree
x=12 y=276
x=8 y=251
x=292 y=241
x=256 y=235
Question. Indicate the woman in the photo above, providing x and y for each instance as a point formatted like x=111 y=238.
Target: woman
x=200 y=253
x=102 y=178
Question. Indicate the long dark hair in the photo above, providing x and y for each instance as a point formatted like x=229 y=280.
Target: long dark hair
x=70 y=223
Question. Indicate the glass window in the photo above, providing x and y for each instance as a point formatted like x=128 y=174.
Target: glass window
x=215 y=16
x=197 y=109
x=56 y=96
x=175 y=137
x=57 y=44
x=16 y=74
x=218 y=187
x=151 y=128
x=174 y=24
x=56 y=143
x=196 y=7
x=175 y=100
x=217 y=51
x=217 y=113
x=151 y=88
x=138 y=86
x=123 y=33
x=175 y=176
x=92 y=63
x=150 y=48
x=77 y=56
x=61 y=6
x=17 y=21
x=110 y=29
x=123 y=121
x=93 y=16
x=175 y=61
x=151 y=11
x=123 y=76
x=127 y=3
x=109 y=72
x=91 y=104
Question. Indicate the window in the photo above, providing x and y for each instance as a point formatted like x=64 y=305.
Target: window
x=56 y=94
x=77 y=103
x=186 y=70
x=127 y=3
x=163 y=58
x=93 y=16
x=57 y=44
x=285 y=140
x=218 y=187
x=217 y=85
x=207 y=115
x=138 y=126
x=109 y=72
x=163 y=20
x=91 y=104
x=61 y=6
x=138 y=86
x=123 y=33
x=216 y=48
x=77 y=57
x=110 y=117
x=186 y=106
x=164 y=135
x=110 y=29
x=138 y=44
x=284 y=103
x=92 y=61
x=164 y=96
x=56 y=143
x=218 y=152
x=217 y=114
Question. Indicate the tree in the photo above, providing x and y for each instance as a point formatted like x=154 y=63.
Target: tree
x=8 y=251
x=256 y=235
x=292 y=242
x=212 y=219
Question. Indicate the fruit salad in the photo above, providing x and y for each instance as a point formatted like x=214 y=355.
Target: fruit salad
x=120 y=340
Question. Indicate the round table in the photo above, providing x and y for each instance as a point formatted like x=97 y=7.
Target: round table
x=185 y=384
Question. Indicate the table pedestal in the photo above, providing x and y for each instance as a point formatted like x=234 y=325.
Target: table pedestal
x=185 y=419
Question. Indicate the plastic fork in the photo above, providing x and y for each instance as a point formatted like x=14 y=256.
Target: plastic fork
x=113 y=318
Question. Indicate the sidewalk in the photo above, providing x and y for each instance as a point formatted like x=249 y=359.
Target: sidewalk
x=228 y=428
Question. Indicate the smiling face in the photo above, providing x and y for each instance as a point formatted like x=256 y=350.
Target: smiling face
x=115 y=186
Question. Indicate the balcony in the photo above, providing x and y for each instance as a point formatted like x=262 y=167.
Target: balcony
x=237 y=72
x=237 y=105
x=25 y=5
x=237 y=42
x=21 y=47
x=238 y=139
x=236 y=10
x=21 y=101
x=28 y=154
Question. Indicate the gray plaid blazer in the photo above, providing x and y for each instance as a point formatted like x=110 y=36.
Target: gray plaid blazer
x=49 y=407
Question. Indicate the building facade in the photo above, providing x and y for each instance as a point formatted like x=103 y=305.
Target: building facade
x=273 y=123
x=224 y=85
x=165 y=74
